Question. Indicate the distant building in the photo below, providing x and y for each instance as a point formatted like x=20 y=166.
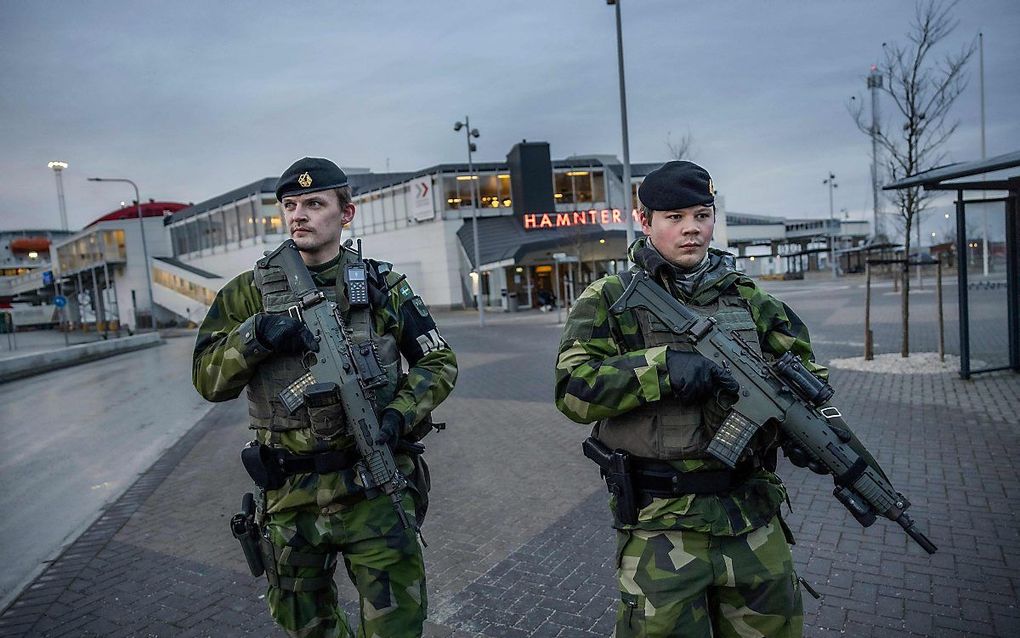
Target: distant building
x=101 y=269
x=531 y=210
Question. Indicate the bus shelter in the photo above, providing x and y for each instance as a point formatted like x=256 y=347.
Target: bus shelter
x=960 y=178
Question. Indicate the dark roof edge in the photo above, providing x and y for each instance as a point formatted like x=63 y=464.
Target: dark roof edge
x=264 y=185
x=955 y=171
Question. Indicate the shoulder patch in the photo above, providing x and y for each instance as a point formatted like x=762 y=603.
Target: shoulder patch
x=420 y=306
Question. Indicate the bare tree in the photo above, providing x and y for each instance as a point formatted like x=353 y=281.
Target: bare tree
x=683 y=148
x=923 y=87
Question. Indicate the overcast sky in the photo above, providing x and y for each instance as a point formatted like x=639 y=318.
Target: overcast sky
x=192 y=99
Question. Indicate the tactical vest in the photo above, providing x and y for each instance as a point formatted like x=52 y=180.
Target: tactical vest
x=665 y=429
x=265 y=410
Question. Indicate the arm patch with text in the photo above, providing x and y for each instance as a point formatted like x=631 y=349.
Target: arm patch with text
x=420 y=335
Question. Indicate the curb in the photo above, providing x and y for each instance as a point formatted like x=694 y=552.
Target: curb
x=38 y=362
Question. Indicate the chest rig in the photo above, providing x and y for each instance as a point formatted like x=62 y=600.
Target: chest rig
x=666 y=430
x=323 y=421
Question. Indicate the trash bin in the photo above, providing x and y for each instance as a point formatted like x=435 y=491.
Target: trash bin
x=511 y=302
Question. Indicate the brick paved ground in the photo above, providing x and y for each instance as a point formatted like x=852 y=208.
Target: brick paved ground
x=518 y=532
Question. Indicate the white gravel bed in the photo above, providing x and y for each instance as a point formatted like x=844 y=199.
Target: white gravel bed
x=916 y=363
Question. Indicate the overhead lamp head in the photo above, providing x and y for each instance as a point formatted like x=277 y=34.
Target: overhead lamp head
x=474 y=132
x=473 y=147
x=458 y=126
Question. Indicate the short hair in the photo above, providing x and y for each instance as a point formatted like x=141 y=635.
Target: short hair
x=344 y=195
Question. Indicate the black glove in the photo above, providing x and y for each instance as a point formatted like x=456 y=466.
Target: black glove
x=694 y=378
x=800 y=458
x=391 y=423
x=284 y=334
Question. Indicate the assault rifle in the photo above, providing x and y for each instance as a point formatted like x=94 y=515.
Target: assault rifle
x=344 y=368
x=784 y=392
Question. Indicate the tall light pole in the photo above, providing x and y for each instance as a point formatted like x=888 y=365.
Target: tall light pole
x=468 y=134
x=831 y=181
x=58 y=168
x=984 y=209
x=628 y=201
x=145 y=247
x=874 y=84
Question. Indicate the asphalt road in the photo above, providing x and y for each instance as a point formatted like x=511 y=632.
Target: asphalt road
x=74 y=439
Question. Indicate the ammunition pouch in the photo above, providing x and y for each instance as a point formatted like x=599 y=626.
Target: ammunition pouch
x=270 y=467
x=274 y=557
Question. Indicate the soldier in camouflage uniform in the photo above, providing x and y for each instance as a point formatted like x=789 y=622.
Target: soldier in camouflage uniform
x=313 y=506
x=708 y=554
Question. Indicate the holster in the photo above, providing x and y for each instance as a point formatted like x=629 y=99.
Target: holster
x=244 y=529
x=615 y=469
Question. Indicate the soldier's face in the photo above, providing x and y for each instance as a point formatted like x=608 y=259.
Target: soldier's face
x=681 y=236
x=315 y=221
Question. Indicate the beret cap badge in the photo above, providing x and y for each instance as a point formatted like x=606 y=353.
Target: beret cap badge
x=308 y=175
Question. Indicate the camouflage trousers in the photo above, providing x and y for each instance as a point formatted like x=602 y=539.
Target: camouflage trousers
x=685 y=583
x=383 y=560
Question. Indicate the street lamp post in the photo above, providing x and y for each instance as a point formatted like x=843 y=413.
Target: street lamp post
x=831 y=181
x=874 y=84
x=628 y=201
x=58 y=168
x=145 y=247
x=468 y=134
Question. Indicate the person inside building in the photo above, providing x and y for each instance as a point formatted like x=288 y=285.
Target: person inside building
x=312 y=507
x=703 y=549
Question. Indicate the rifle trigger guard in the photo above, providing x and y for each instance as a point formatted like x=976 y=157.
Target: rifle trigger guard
x=830 y=412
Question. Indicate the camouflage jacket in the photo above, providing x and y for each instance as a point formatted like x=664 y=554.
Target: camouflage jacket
x=223 y=364
x=604 y=369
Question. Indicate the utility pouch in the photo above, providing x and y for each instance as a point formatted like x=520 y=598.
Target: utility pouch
x=325 y=411
x=244 y=529
x=261 y=466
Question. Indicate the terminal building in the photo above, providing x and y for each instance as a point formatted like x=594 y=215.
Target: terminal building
x=101 y=270
x=542 y=225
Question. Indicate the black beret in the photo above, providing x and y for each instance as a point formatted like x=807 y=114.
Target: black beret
x=307 y=175
x=676 y=185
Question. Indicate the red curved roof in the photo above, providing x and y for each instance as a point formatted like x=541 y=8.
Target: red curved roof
x=149 y=209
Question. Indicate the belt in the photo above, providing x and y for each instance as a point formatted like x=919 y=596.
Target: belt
x=660 y=480
x=322 y=463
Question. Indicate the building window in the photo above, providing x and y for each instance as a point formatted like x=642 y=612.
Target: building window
x=579 y=186
x=493 y=190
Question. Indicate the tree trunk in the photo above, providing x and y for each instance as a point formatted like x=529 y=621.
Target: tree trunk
x=905 y=274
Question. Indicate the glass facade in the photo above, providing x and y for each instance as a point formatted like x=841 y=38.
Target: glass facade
x=493 y=191
x=91 y=249
x=230 y=224
x=579 y=187
x=183 y=286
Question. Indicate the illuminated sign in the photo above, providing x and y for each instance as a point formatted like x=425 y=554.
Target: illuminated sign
x=604 y=217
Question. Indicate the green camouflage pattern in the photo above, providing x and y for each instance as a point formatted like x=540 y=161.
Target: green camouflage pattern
x=383 y=560
x=604 y=369
x=687 y=583
x=223 y=362
x=327 y=512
